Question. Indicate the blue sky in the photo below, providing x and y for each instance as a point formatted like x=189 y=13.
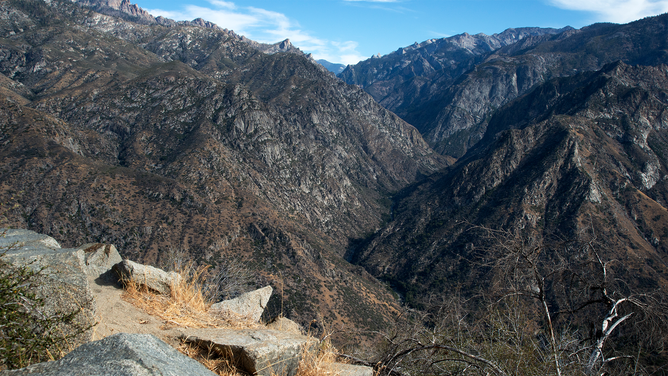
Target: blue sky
x=347 y=31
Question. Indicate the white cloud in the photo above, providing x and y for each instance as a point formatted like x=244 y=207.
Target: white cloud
x=619 y=11
x=267 y=26
x=347 y=52
x=351 y=59
x=439 y=35
x=223 y=4
x=346 y=46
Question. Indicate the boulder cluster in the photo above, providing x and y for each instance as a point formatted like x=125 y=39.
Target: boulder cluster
x=66 y=277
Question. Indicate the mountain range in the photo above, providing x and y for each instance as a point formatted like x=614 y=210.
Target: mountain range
x=188 y=139
x=166 y=137
x=561 y=132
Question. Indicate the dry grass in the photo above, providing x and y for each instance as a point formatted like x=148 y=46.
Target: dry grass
x=186 y=306
x=321 y=362
x=211 y=358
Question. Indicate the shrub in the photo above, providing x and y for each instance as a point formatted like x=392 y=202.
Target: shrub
x=27 y=334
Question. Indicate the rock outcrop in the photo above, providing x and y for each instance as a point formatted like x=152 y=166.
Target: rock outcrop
x=120 y=354
x=352 y=370
x=153 y=278
x=71 y=272
x=62 y=281
x=285 y=325
x=153 y=137
x=247 y=307
x=99 y=260
x=258 y=352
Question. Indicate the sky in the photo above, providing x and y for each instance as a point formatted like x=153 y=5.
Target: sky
x=348 y=31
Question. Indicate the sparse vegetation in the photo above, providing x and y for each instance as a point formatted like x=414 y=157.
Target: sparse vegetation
x=188 y=306
x=27 y=333
x=551 y=310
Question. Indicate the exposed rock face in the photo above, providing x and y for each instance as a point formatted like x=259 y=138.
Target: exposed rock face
x=384 y=76
x=148 y=276
x=99 y=260
x=403 y=81
x=120 y=354
x=151 y=137
x=70 y=271
x=18 y=241
x=285 y=325
x=576 y=159
x=131 y=12
x=120 y=8
x=451 y=103
x=284 y=46
x=248 y=306
x=258 y=352
x=62 y=283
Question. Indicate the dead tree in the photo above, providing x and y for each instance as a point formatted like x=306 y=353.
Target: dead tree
x=531 y=320
x=571 y=280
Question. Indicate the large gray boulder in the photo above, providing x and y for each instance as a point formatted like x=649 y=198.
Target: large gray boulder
x=121 y=354
x=285 y=325
x=62 y=282
x=153 y=278
x=258 y=352
x=17 y=239
x=248 y=306
x=99 y=259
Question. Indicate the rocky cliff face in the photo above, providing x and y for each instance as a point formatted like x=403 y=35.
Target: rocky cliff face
x=384 y=76
x=160 y=138
x=577 y=159
x=578 y=156
x=125 y=10
x=406 y=79
x=451 y=105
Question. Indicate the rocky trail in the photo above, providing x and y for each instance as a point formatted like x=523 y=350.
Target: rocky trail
x=123 y=339
x=116 y=315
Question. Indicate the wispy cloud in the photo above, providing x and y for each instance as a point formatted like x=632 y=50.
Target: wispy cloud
x=439 y=34
x=347 y=52
x=386 y=5
x=620 y=11
x=223 y=4
x=267 y=26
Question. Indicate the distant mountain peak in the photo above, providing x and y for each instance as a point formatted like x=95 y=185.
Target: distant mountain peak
x=285 y=44
x=132 y=12
x=202 y=23
x=332 y=67
x=120 y=8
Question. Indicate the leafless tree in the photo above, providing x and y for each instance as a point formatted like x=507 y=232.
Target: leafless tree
x=571 y=284
x=554 y=309
x=437 y=341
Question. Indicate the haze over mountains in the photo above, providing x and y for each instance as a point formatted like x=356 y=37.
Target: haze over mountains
x=160 y=136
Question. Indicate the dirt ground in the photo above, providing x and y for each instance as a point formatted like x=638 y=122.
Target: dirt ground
x=115 y=315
